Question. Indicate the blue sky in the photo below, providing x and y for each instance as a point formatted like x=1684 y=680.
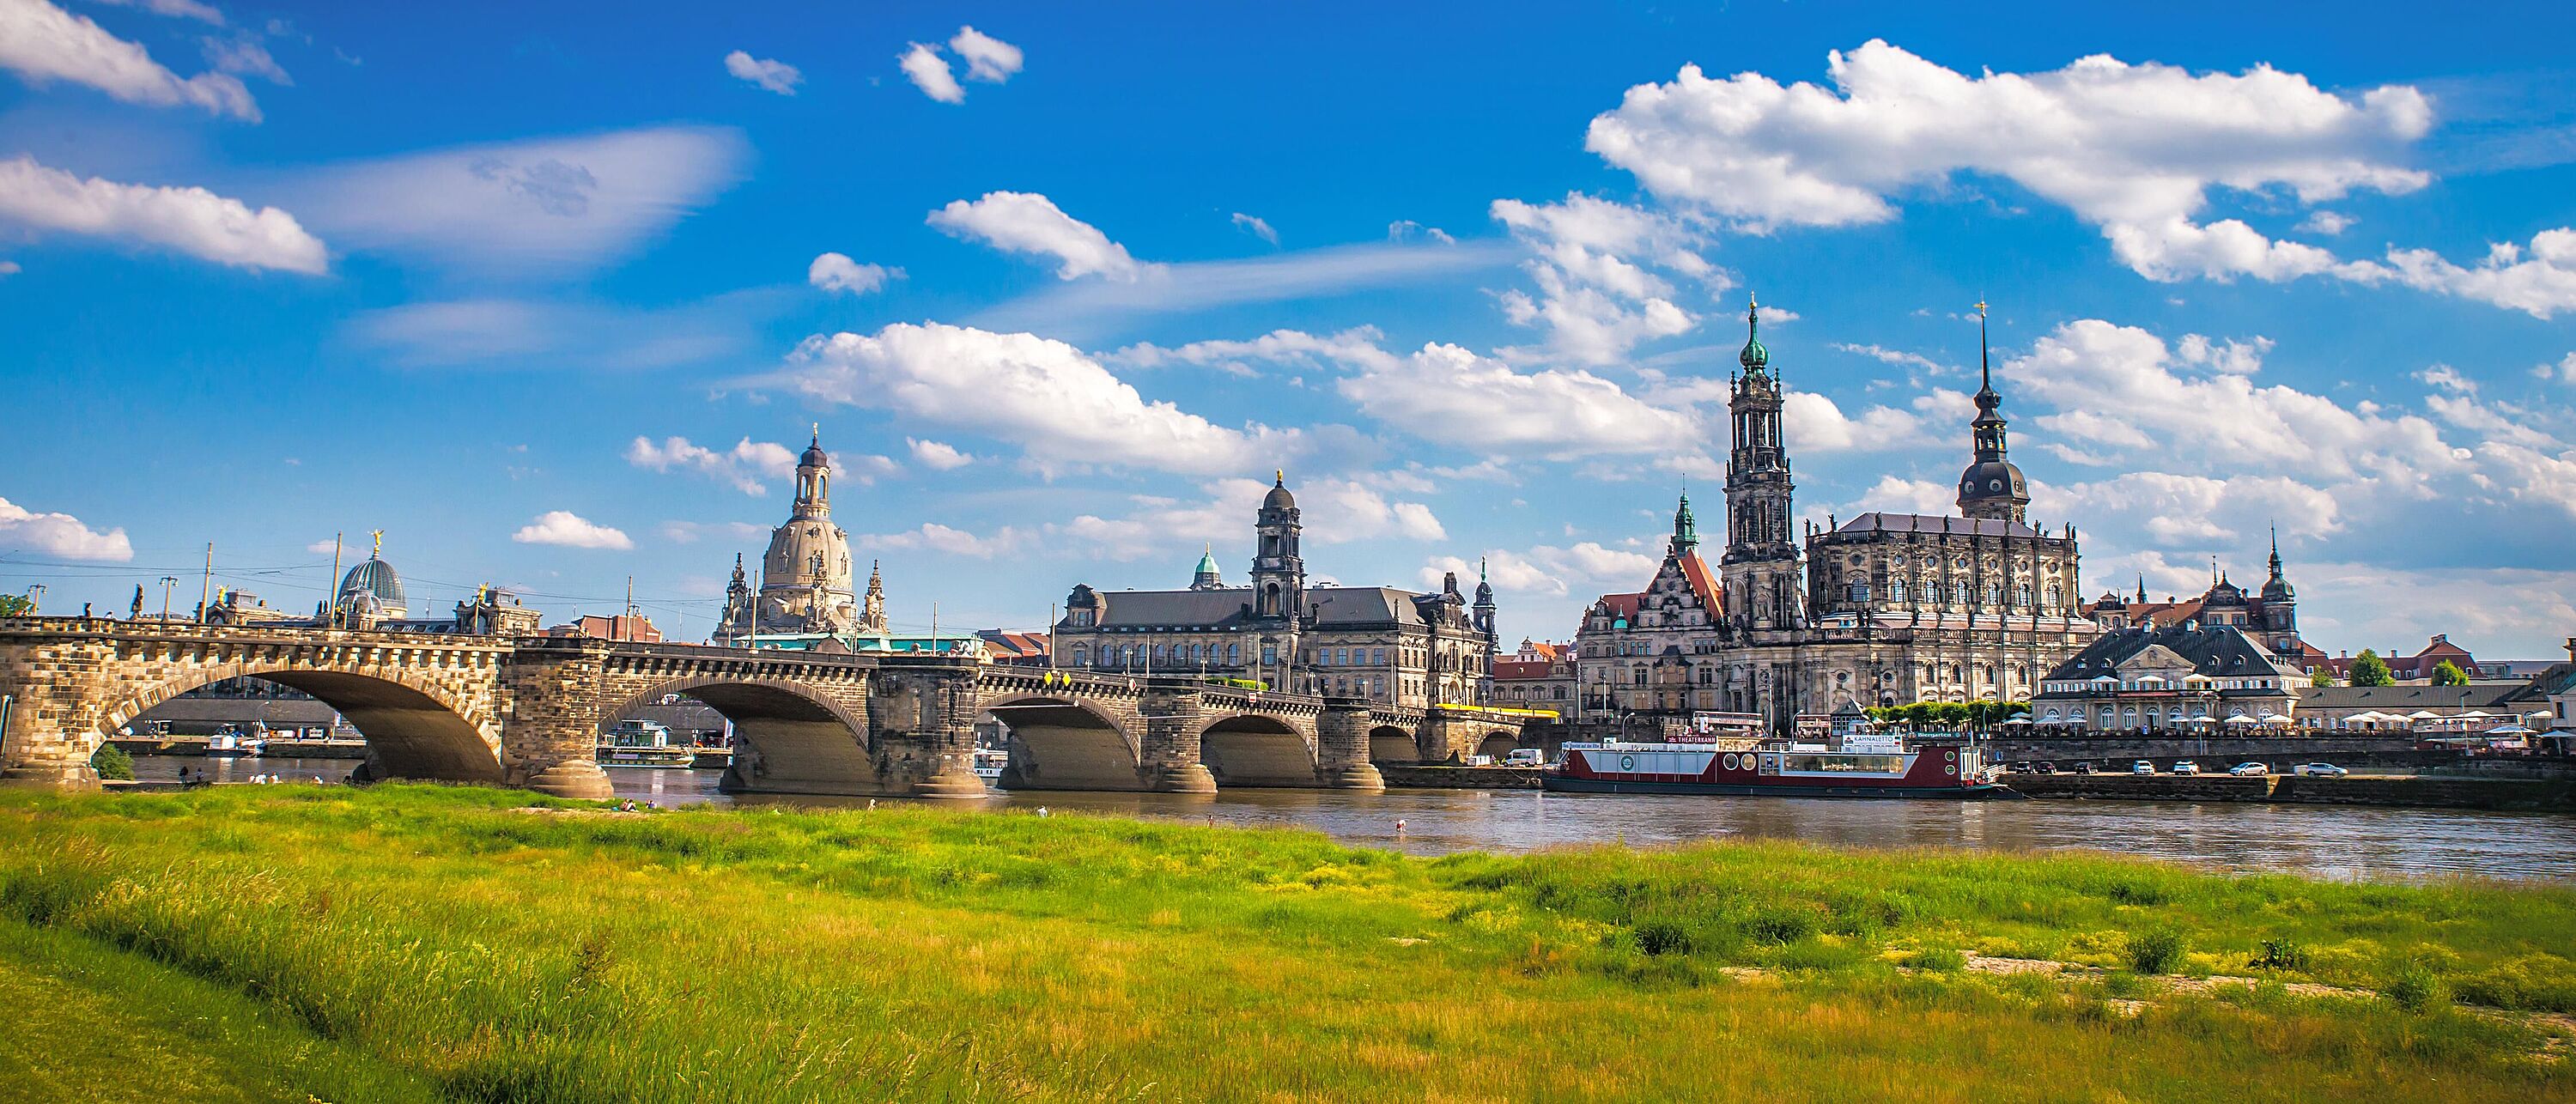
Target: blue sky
x=551 y=299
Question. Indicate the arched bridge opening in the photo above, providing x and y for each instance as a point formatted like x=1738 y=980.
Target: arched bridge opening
x=1058 y=744
x=413 y=730
x=1393 y=744
x=786 y=739
x=1498 y=743
x=1253 y=750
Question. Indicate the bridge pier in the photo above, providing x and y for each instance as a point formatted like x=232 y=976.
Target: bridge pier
x=1171 y=759
x=922 y=725
x=1342 y=746
x=553 y=718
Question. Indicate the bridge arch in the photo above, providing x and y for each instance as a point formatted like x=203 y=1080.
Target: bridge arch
x=414 y=727
x=1251 y=749
x=1498 y=743
x=787 y=736
x=1393 y=744
x=1062 y=743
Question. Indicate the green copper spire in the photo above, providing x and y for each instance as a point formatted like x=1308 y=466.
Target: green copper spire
x=1685 y=528
x=1755 y=357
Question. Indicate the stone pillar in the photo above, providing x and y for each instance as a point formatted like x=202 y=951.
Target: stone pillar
x=922 y=725
x=550 y=726
x=1342 y=746
x=56 y=688
x=1434 y=741
x=1170 y=757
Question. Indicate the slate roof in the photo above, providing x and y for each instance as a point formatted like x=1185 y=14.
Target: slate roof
x=1199 y=610
x=1878 y=522
x=2220 y=652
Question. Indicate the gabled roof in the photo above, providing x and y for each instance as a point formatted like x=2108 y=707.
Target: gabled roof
x=1622 y=605
x=1522 y=670
x=1696 y=570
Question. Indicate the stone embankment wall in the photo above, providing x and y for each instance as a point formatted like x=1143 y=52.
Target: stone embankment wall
x=1459 y=778
x=2218 y=752
x=2444 y=793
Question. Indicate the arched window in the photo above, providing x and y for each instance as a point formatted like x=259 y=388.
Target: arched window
x=1959 y=594
x=1896 y=590
x=1081 y=657
x=1234 y=655
x=2056 y=596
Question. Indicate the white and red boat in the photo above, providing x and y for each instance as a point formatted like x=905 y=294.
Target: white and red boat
x=1778 y=768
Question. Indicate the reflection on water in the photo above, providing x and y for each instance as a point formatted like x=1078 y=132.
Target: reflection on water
x=2328 y=841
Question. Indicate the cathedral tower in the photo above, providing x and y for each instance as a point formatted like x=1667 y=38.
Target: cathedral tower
x=2280 y=606
x=1992 y=487
x=1761 y=564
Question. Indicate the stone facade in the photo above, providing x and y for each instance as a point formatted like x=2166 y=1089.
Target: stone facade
x=806 y=577
x=1383 y=645
x=2177 y=678
x=1883 y=609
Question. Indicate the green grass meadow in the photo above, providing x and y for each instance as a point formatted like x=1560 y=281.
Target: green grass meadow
x=431 y=943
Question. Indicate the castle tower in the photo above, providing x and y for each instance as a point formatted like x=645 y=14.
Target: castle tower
x=1760 y=568
x=2280 y=606
x=1278 y=573
x=1484 y=604
x=1992 y=487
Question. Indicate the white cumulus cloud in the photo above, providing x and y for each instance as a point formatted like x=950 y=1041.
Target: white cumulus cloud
x=987 y=58
x=1060 y=405
x=750 y=466
x=191 y=220
x=565 y=529
x=2132 y=149
x=928 y=72
x=1448 y=394
x=837 y=272
x=59 y=535
x=936 y=455
x=2540 y=284
x=1025 y=222
x=1599 y=268
x=769 y=73
x=43 y=44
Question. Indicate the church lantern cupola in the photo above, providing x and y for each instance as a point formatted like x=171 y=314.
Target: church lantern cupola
x=1993 y=486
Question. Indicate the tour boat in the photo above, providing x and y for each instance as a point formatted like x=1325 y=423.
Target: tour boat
x=1778 y=768
x=234 y=744
x=989 y=763
x=633 y=743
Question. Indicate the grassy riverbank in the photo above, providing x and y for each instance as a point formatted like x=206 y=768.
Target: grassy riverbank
x=453 y=943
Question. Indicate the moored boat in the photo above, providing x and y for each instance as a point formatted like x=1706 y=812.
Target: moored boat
x=1779 y=768
x=634 y=743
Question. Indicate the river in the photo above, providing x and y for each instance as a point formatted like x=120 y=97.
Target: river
x=2327 y=841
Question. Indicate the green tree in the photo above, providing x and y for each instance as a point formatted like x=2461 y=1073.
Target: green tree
x=2447 y=673
x=111 y=762
x=2370 y=670
x=17 y=605
x=2321 y=677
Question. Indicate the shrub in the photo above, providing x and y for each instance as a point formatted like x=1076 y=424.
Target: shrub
x=2155 y=951
x=1663 y=937
x=1939 y=960
x=2282 y=954
x=112 y=762
x=2414 y=989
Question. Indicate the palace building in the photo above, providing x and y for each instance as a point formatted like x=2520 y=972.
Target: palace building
x=1380 y=643
x=2269 y=615
x=1886 y=608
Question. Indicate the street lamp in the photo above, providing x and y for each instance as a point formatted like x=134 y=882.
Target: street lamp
x=167 y=582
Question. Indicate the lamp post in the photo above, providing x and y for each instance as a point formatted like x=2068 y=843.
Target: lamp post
x=167 y=582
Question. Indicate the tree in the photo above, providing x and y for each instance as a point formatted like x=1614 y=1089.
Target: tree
x=17 y=605
x=2447 y=673
x=2370 y=670
x=2321 y=676
x=111 y=762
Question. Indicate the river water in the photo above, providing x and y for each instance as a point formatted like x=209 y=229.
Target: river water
x=2325 y=841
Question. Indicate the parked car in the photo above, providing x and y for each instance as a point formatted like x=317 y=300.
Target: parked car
x=2320 y=770
x=2083 y=768
x=2142 y=767
x=1525 y=757
x=2017 y=766
x=2186 y=767
x=2249 y=770
x=1480 y=760
x=2044 y=767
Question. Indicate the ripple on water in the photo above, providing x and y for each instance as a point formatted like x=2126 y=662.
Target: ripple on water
x=2327 y=841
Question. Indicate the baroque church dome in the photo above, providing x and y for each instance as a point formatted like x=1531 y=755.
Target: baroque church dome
x=375 y=579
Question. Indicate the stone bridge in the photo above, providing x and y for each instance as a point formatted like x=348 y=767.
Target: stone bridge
x=530 y=712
